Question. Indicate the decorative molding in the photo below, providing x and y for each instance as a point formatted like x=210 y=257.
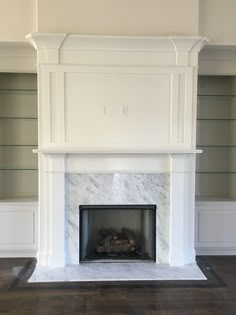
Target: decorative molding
x=51 y=111
x=211 y=251
x=65 y=150
x=48 y=46
x=46 y=40
x=181 y=46
x=180 y=114
x=135 y=43
x=61 y=115
x=188 y=43
x=117 y=163
x=22 y=217
x=214 y=241
x=14 y=252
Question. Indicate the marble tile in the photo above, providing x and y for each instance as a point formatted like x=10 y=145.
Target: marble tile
x=108 y=189
x=117 y=272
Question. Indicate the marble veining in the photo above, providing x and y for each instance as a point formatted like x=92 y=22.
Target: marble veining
x=108 y=189
x=117 y=272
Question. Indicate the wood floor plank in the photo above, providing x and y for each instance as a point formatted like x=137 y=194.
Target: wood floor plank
x=141 y=299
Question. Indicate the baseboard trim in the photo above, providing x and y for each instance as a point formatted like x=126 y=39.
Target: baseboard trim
x=216 y=251
x=17 y=253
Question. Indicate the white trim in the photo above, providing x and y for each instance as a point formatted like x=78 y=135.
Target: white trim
x=121 y=43
x=65 y=150
x=13 y=253
x=211 y=251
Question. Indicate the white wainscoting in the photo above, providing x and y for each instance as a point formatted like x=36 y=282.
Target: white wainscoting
x=18 y=229
x=215 y=228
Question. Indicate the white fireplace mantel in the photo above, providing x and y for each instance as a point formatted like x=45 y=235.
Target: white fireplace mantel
x=179 y=220
x=86 y=81
x=112 y=105
x=51 y=151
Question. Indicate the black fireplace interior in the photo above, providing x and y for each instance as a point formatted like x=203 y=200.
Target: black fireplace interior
x=117 y=232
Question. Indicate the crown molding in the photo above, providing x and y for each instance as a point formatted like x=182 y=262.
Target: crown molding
x=121 y=43
x=50 y=46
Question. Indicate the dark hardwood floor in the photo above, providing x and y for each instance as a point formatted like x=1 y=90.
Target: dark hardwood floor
x=18 y=297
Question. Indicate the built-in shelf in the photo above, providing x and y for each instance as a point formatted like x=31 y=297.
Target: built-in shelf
x=216 y=96
x=215 y=146
x=216 y=119
x=216 y=130
x=18 y=169
x=19 y=199
x=18 y=91
x=18 y=145
x=18 y=136
x=19 y=118
x=199 y=199
x=215 y=172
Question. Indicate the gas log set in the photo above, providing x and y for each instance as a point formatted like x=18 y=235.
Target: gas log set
x=114 y=242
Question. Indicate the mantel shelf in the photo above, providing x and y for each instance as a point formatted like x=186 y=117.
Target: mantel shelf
x=124 y=151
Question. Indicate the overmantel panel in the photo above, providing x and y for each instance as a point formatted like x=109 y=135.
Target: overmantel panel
x=117 y=92
x=116 y=107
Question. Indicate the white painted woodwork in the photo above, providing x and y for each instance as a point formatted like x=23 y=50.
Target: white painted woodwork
x=116 y=104
x=18 y=228
x=80 y=104
x=215 y=227
x=182 y=192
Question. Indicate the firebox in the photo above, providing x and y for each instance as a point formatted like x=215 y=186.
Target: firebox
x=117 y=233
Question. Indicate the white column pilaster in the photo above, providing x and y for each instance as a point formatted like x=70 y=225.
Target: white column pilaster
x=181 y=210
x=52 y=251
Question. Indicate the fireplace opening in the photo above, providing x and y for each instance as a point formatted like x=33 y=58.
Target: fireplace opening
x=117 y=233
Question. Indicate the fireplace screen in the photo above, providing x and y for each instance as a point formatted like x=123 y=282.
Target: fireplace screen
x=126 y=232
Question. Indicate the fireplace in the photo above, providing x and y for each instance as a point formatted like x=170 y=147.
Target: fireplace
x=117 y=126
x=117 y=233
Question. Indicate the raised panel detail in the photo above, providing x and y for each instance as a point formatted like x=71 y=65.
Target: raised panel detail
x=17 y=228
x=217 y=226
x=117 y=110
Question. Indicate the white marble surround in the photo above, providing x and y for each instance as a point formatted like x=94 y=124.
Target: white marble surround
x=117 y=189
